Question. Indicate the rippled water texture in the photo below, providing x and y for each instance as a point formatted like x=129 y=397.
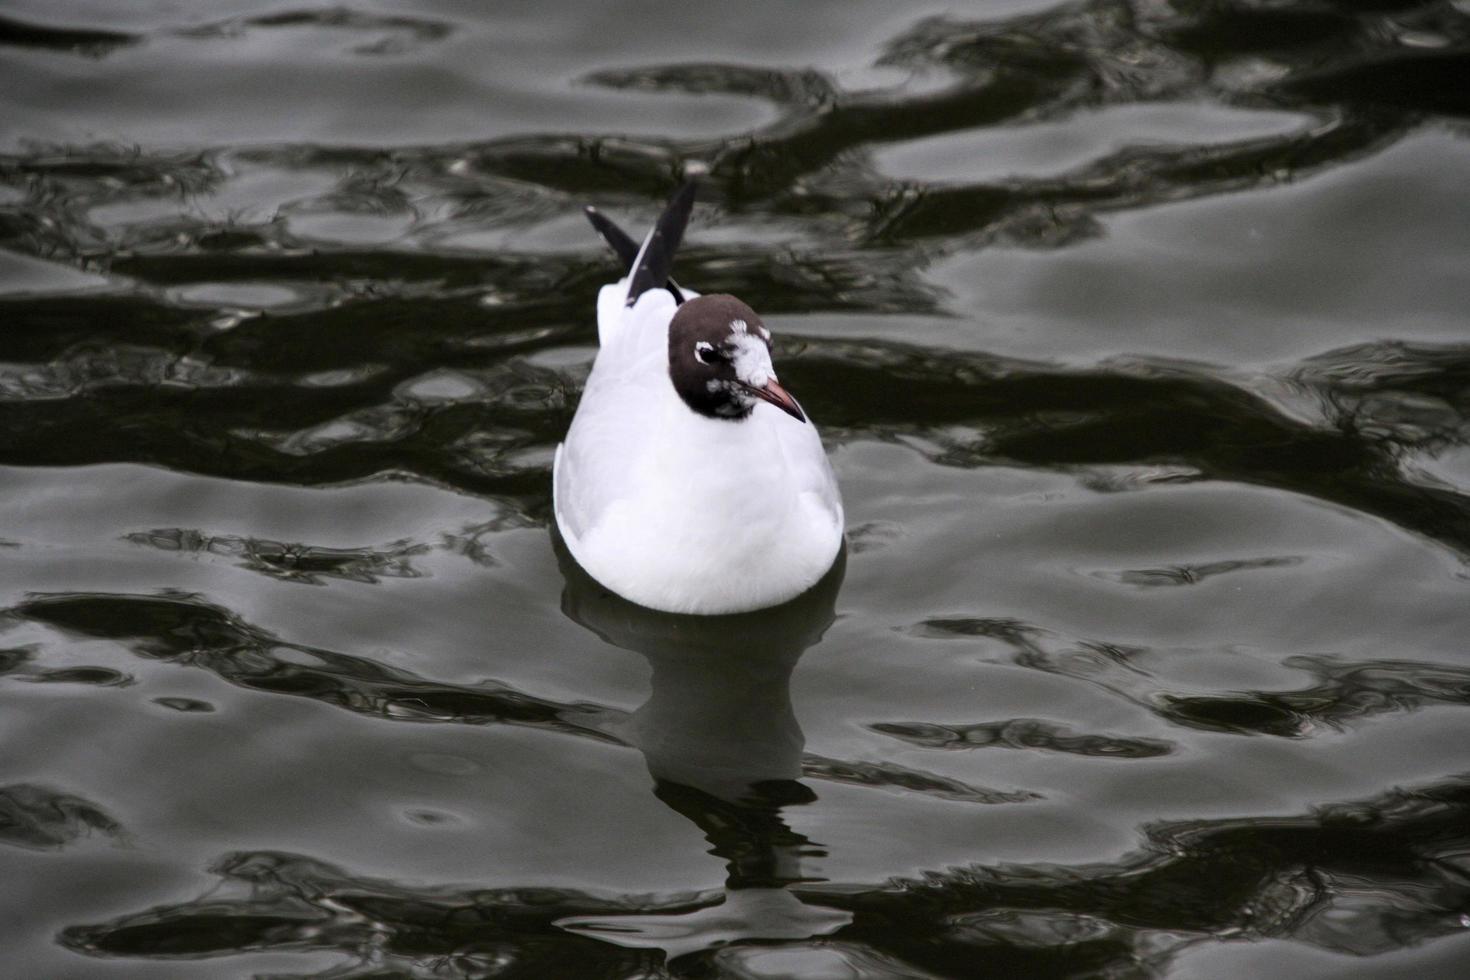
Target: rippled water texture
x=1138 y=333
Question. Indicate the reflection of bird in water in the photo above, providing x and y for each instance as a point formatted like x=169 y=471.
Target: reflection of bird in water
x=725 y=750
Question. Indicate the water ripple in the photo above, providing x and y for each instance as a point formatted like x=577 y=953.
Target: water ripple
x=40 y=818
x=186 y=630
x=1343 y=692
x=1022 y=733
x=289 y=561
x=90 y=42
x=1103 y=255
x=1359 y=878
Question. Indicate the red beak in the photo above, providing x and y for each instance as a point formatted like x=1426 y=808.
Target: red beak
x=781 y=398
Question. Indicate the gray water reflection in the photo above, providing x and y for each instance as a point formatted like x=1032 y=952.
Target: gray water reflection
x=1137 y=330
x=39 y=817
x=1362 y=877
x=725 y=749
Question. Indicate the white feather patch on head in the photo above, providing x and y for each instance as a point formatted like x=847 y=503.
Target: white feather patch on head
x=739 y=326
x=752 y=360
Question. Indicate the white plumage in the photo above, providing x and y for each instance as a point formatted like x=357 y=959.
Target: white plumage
x=677 y=510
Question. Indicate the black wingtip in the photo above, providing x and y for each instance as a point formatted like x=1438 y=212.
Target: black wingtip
x=656 y=259
x=623 y=245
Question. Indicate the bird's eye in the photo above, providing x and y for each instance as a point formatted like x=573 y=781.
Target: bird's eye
x=705 y=353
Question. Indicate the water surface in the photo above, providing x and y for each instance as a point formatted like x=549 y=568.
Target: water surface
x=1138 y=336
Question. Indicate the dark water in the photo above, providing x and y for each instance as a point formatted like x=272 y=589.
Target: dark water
x=1139 y=335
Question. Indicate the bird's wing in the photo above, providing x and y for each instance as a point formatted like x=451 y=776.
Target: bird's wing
x=622 y=402
x=628 y=388
x=655 y=260
x=623 y=246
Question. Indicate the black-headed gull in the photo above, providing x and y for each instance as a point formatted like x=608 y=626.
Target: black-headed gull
x=690 y=480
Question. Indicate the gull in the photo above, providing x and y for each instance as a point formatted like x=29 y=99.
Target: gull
x=690 y=480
